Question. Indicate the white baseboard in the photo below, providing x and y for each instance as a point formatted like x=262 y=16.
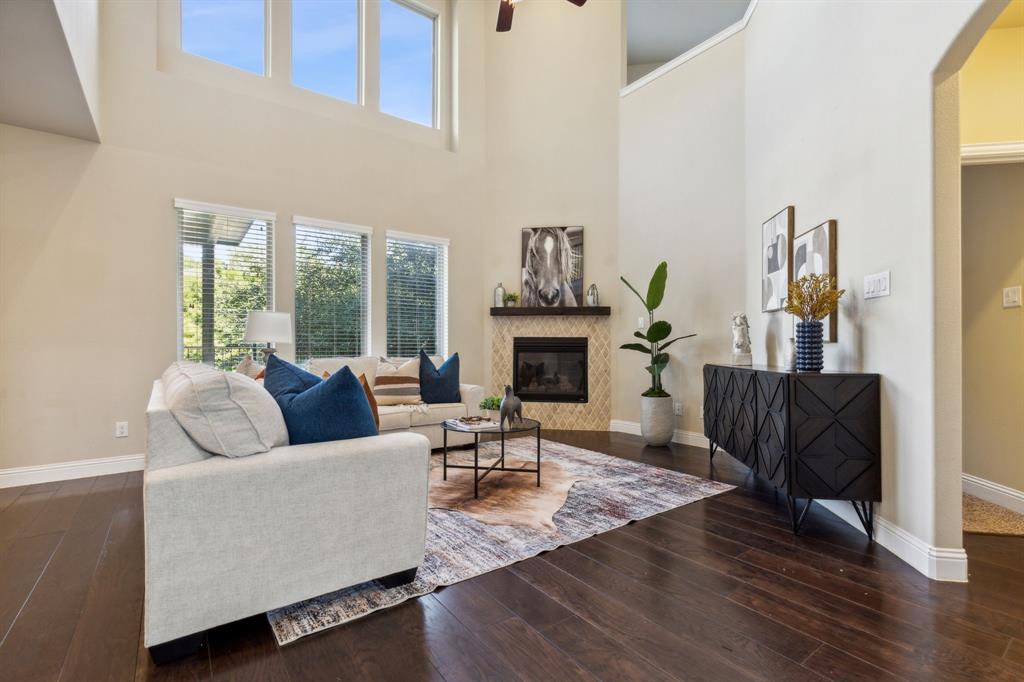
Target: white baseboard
x=938 y=563
x=993 y=492
x=64 y=471
x=678 y=436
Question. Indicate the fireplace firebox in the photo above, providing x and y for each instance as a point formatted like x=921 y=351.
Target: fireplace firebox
x=550 y=369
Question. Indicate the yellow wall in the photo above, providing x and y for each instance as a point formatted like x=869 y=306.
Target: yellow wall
x=992 y=89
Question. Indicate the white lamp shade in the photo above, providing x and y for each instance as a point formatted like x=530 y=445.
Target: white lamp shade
x=264 y=326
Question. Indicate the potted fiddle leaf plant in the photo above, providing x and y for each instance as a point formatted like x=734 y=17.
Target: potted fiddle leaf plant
x=656 y=419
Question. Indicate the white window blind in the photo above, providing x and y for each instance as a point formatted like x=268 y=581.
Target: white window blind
x=332 y=289
x=417 y=296
x=225 y=269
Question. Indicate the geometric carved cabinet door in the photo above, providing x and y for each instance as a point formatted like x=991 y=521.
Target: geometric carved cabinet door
x=772 y=427
x=740 y=415
x=835 y=437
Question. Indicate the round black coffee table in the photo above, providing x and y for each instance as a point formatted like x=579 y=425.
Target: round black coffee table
x=518 y=426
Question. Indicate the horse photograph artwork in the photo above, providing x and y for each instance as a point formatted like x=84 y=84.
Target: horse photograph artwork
x=552 y=267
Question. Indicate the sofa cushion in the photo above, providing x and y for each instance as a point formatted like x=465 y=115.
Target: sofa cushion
x=398 y=385
x=249 y=367
x=317 y=411
x=363 y=365
x=439 y=384
x=394 y=417
x=437 y=413
x=226 y=413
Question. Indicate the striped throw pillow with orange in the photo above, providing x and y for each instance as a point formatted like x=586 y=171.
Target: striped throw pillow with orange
x=398 y=385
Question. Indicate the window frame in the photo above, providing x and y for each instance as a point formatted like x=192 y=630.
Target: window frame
x=442 y=311
x=276 y=85
x=351 y=228
x=234 y=212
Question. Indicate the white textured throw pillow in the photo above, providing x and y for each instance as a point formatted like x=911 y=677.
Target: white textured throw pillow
x=366 y=365
x=249 y=367
x=226 y=413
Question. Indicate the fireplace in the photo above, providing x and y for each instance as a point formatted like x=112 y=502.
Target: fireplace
x=550 y=369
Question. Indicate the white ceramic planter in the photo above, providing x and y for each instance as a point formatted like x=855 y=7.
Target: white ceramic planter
x=657 y=423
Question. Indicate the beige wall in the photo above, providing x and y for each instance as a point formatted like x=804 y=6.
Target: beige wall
x=993 y=258
x=552 y=140
x=87 y=236
x=681 y=190
x=992 y=89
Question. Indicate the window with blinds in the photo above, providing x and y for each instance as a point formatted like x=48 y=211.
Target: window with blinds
x=332 y=289
x=225 y=269
x=417 y=295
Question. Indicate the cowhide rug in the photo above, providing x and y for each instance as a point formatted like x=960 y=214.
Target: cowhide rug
x=506 y=498
x=582 y=493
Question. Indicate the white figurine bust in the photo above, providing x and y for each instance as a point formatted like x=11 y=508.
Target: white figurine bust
x=741 y=340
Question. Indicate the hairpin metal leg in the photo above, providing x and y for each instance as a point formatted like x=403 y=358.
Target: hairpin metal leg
x=797 y=519
x=866 y=513
x=538 y=456
x=444 y=468
x=712 y=449
x=476 y=464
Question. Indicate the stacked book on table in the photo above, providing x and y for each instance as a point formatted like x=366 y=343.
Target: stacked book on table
x=473 y=423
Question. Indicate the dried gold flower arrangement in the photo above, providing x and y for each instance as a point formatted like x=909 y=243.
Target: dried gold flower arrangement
x=813 y=297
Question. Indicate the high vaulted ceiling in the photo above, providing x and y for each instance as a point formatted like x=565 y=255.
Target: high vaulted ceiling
x=660 y=30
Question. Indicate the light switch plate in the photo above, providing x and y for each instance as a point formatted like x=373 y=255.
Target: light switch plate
x=1011 y=297
x=877 y=285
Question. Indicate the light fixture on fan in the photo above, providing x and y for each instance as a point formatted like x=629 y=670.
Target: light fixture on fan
x=506 y=7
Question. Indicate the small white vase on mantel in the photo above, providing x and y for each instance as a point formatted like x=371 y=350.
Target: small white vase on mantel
x=657 y=423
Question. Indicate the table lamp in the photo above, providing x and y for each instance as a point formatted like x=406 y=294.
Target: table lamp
x=265 y=326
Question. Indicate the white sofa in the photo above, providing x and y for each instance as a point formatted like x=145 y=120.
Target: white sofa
x=422 y=418
x=426 y=419
x=227 y=538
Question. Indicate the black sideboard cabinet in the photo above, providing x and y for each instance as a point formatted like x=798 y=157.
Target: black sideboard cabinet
x=813 y=436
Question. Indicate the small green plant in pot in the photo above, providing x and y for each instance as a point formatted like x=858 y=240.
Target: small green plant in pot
x=656 y=418
x=490 y=405
x=511 y=299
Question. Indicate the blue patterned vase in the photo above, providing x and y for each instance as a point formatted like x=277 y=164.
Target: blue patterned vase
x=810 y=354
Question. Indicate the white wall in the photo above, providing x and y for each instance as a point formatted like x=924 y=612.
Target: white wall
x=838 y=123
x=80 y=20
x=552 y=139
x=87 y=232
x=840 y=118
x=681 y=187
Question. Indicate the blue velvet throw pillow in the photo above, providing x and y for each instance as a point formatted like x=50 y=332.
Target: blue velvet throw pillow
x=439 y=385
x=317 y=411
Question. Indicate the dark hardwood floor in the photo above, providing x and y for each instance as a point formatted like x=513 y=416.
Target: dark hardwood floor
x=719 y=589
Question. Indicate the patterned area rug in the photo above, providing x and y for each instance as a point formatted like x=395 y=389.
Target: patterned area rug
x=986 y=518
x=608 y=492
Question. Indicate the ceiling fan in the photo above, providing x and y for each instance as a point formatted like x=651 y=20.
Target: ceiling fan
x=506 y=7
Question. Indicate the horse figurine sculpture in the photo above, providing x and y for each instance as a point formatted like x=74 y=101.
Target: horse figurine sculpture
x=511 y=406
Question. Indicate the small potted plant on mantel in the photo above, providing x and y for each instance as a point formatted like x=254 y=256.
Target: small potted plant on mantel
x=511 y=299
x=657 y=423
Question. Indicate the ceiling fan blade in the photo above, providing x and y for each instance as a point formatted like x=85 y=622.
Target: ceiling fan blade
x=505 y=9
x=578 y=3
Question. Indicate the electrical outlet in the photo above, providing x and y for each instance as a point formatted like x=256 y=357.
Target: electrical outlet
x=1011 y=297
x=120 y=429
x=876 y=285
x=677 y=408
